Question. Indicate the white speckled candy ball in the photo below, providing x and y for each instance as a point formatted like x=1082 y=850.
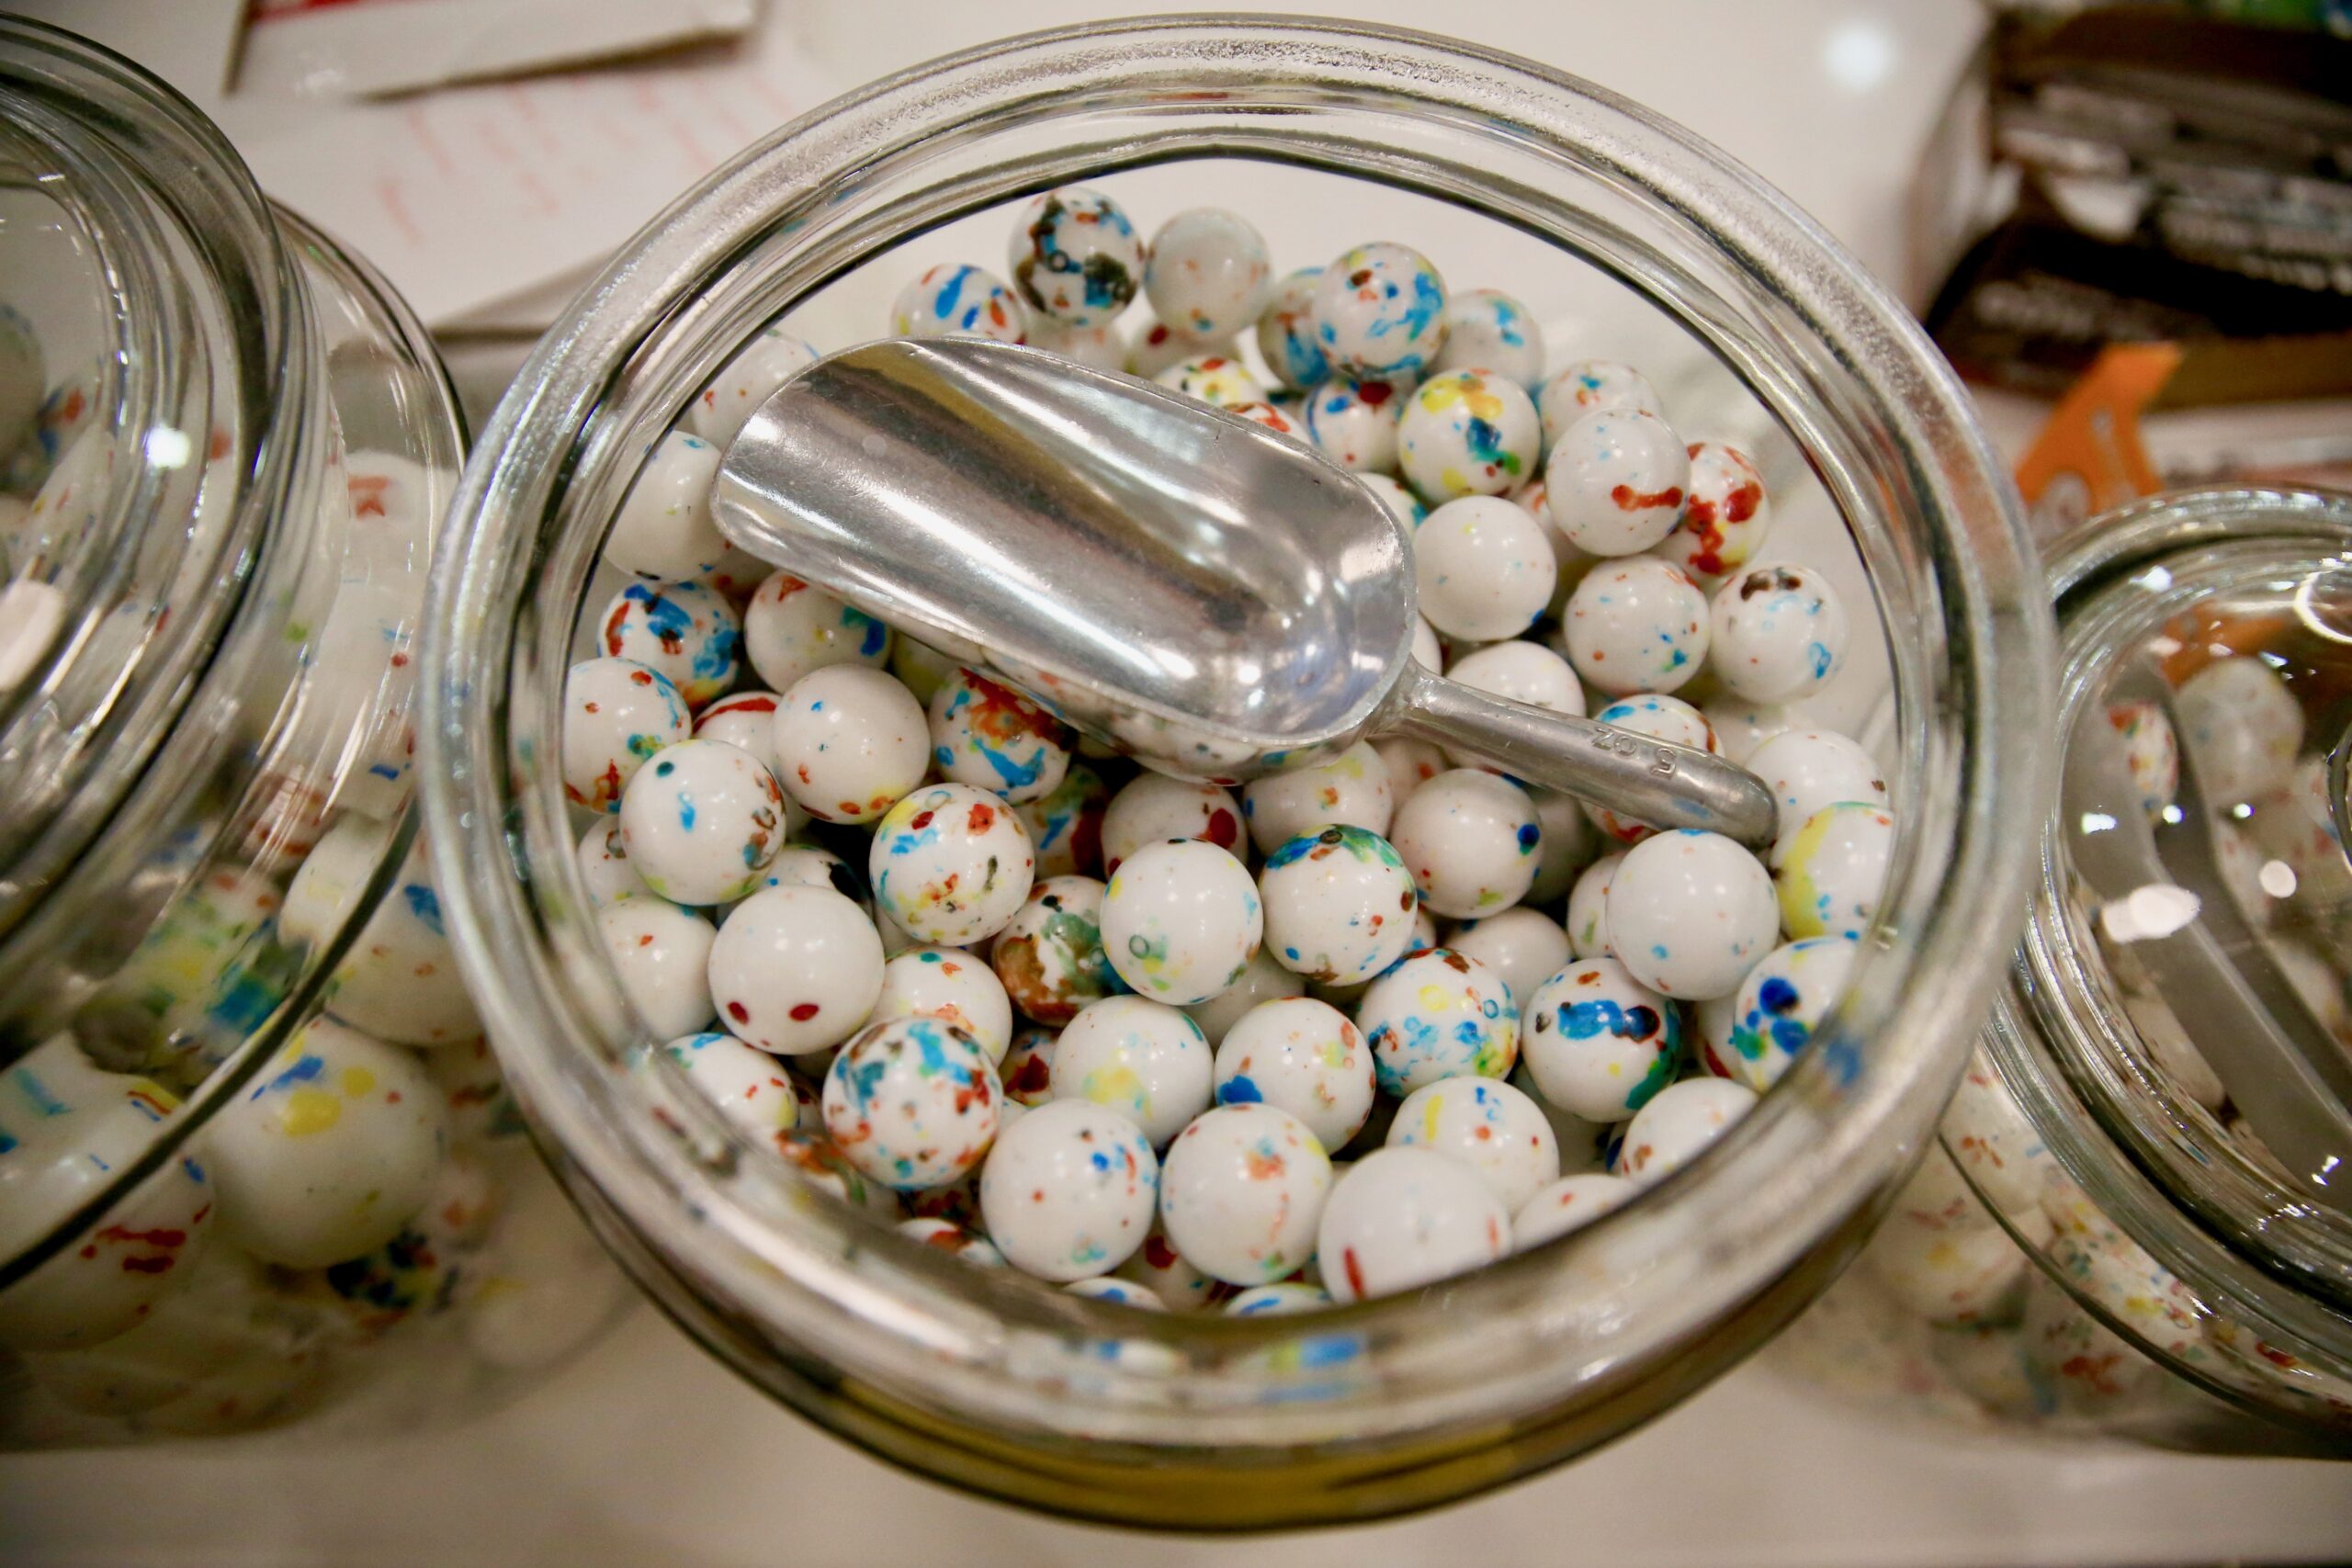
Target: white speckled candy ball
x=1487 y=328
x=1689 y=913
x=1278 y=1300
x=1676 y=1128
x=947 y=1236
x=683 y=631
x=1523 y=672
x=1286 y=333
x=745 y=720
x=947 y=982
x=991 y=736
x=1353 y=421
x=794 y=970
x=790 y=628
x=2241 y=728
x=1467 y=432
x=663 y=526
x=1159 y=1267
x=1076 y=257
x=1264 y=980
x=1783 y=999
x=1027 y=1068
x=849 y=742
x=912 y=1102
x=1049 y=956
x=1588 y=386
x=58 y=1151
x=1499 y=1132
x=1636 y=624
x=663 y=955
x=328 y=1152
x=750 y=1087
x=1741 y=725
x=603 y=864
x=951 y=864
x=1153 y=808
x=1101 y=347
x=399 y=979
x=1438 y=1015
x=1292 y=423
x=1352 y=790
x=1380 y=310
x=1209 y=274
x=719 y=411
x=1568 y=1204
x=2139 y=740
x=1241 y=1192
x=702 y=821
x=1181 y=922
x=1216 y=380
x=1066 y=823
x=1724 y=514
x=1406 y=508
x=1069 y=1190
x=1808 y=769
x=1833 y=871
x=1482 y=569
x=1399 y=1219
x=1778 y=633
x=1524 y=946
x=1600 y=1044
x=958 y=300
x=1144 y=1060
x=1302 y=1056
x=1587 y=922
x=811 y=865
x=1340 y=905
x=617 y=713
x=1470 y=838
x=1616 y=481
x=1654 y=716
x=1118 y=1292
x=1568 y=845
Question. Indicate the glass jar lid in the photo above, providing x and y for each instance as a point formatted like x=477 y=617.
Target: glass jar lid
x=144 y=338
x=2187 y=958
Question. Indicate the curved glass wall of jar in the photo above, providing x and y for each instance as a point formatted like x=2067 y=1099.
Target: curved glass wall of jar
x=2117 y=1128
x=248 y=1134
x=1057 y=1402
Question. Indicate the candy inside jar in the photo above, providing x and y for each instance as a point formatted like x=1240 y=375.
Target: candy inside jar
x=1658 y=556
x=995 y=1377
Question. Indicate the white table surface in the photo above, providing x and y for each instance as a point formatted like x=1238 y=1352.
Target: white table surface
x=646 y=1452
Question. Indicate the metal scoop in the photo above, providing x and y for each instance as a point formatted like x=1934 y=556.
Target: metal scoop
x=1208 y=596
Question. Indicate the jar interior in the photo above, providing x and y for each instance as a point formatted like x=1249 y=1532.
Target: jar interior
x=786 y=1278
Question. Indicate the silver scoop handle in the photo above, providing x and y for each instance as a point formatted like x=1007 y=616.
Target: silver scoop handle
x=1649 y=781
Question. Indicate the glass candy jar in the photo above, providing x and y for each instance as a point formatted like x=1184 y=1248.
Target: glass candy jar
x=2134 y=1225
x=255 y=1162
x=1603 y=217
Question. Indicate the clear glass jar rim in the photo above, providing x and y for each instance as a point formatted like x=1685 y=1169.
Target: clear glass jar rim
x=2280 y=1241
x=1983 y=569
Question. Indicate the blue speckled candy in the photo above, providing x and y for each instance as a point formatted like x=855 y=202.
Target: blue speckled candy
x=1487 y=328
x=1076 y=257
x=682 y=631
x=1780 y=1003
x=1599 y=1042
x=912 y=1102
x=1286 y=333
x=959 y=301
x=1340 y=905
x=1438 y=1014
x=1379 y=310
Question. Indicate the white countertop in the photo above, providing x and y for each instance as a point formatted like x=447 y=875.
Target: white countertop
x=646 y=1452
